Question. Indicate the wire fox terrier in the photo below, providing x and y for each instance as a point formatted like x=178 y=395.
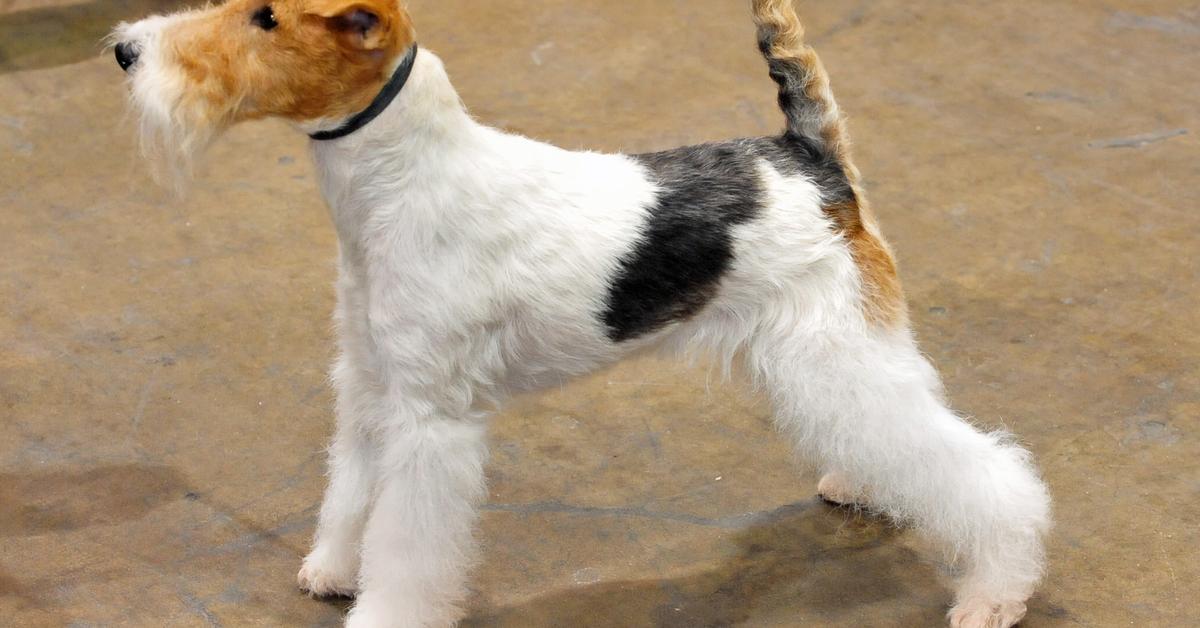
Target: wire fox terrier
x=474 y=264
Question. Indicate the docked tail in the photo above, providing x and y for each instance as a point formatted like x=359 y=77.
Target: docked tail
x=812 y=114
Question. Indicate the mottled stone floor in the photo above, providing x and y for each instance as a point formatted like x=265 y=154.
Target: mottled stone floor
x=162 y=395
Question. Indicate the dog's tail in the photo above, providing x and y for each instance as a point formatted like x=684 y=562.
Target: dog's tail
x=813 y=117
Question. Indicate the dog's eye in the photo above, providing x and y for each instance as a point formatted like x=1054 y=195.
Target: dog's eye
x=264 y=18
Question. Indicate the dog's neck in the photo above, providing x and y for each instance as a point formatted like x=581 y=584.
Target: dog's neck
x=407 y=148
x=427 y=108
x=391 y=88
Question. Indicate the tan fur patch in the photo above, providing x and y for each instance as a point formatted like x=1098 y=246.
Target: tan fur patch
x=883 y=295
x=311 y=66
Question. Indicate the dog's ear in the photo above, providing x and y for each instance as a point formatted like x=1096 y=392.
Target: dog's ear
x=361 y=24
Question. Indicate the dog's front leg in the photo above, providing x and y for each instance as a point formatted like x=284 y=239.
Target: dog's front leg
x=331 y=568
x=418 y=545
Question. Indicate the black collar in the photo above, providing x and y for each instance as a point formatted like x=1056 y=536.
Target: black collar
x=381 y=102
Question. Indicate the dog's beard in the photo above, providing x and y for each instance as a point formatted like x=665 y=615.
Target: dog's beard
x=174 y=126
x=172 y=131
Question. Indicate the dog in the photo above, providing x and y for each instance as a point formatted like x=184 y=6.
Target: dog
x=476 y=264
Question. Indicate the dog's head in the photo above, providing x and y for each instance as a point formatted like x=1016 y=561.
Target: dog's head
x=195 y=73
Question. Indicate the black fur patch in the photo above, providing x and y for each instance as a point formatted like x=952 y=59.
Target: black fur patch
x=793 y=155
x=687 y=244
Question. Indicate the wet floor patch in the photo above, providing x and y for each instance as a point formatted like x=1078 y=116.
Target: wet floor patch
x=43 y=502
x=46 y=37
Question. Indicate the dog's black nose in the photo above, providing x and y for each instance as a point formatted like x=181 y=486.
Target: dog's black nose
x=127 y=55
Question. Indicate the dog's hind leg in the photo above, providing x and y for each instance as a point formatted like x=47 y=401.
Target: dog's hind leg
x=869 y=405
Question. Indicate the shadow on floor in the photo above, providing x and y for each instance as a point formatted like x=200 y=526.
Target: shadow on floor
x=831 y=562
x=44 y=502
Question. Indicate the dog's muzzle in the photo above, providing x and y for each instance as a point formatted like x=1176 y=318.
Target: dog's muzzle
x=127 y=55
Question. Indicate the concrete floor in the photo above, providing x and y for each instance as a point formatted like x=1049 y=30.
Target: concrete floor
x=162 y=396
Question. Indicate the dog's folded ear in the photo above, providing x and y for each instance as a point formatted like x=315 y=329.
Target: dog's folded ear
x=360 y=24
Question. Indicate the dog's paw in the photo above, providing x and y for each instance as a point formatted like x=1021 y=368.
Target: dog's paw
x=982 y=613
x=319 y=579
x=835 y=488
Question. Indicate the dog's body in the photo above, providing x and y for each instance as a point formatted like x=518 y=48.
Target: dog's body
x=476 y=264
